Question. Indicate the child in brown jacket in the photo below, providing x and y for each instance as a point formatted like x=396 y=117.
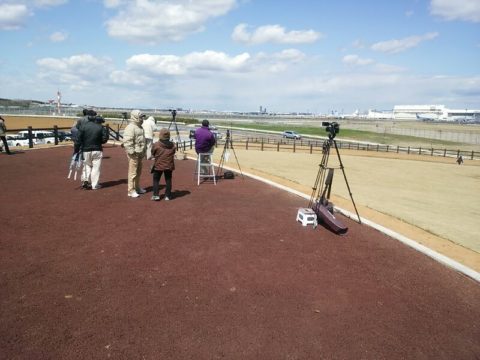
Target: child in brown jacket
x=163 y=152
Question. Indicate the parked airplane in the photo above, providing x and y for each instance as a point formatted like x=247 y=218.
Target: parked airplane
x=427 y=117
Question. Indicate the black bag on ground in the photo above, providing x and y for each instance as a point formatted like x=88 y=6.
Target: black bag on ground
x=228 y=175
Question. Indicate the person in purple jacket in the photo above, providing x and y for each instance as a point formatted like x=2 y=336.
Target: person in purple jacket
x=204 y=143
x=204 y=139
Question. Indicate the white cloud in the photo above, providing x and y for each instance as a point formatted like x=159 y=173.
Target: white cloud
x=398 y=45
x=111 y=4
x=209 y=61
x=58 y=36
x=13 y=16
x=273 y=34
x=216 y=80
x=77 y=70
x=356 y=60
x=467 y=10
x=409 y=13
x=154 y=22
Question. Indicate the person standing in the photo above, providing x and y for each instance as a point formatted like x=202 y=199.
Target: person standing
x=3 y=135
x=149 y=127
x=90 y=138
x=134 y=145
x=163 y=153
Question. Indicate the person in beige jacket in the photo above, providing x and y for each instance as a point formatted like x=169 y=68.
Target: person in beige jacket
x=134 y=145
x=149 y=127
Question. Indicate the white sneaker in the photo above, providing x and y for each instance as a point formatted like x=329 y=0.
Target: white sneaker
x=141 y=191
x=133 y=194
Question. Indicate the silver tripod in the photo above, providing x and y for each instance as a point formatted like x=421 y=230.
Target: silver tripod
x=225 y=154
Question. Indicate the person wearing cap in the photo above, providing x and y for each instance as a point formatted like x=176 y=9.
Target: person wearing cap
x=149 y=127
x=134 y=145
x=163 y=153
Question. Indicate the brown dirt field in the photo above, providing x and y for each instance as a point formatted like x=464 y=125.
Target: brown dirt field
x=218 y=272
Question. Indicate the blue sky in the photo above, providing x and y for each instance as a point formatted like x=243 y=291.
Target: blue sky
x=289 y=55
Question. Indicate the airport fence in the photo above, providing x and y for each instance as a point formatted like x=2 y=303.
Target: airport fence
x=316 y=146
x=286 y=145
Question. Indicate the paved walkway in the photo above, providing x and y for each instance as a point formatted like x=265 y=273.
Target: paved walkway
x=219 y=272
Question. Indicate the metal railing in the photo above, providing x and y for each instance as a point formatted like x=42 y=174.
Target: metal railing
x=303 y=145
x=316 y=146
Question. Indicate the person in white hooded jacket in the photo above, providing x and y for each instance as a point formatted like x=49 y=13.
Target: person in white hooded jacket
x=134 y=145
x=149 y=127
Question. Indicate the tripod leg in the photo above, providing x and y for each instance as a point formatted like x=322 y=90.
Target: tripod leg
x=236 y=158
x=346 y=181
x=222 y=160
x=319 y=181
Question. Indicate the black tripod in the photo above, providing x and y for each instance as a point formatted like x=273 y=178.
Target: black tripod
x=228 y=145
x=325 y=179
x=178 y=138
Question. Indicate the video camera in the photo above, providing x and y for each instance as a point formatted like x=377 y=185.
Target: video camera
x=92 y=116
x=174 y=112
x=333 y=128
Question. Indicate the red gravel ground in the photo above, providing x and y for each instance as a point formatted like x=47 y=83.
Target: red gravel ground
x=219 y=272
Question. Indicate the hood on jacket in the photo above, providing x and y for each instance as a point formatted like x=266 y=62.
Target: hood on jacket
x=164 y=134
x=137 y=116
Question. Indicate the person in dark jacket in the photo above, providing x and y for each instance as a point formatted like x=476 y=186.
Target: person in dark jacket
x=3 y=134
x=163 y=153
x=91 y=136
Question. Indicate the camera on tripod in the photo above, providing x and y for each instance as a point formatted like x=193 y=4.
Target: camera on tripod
x=333 y=128
x=92 y=116
x=173 y=112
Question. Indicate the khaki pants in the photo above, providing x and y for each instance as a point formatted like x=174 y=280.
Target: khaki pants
x=91 y=167
x=134 y=171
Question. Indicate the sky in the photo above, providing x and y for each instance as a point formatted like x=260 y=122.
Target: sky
x=240 y=55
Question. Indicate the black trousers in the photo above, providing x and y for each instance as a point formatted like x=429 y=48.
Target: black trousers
x=5 y=145
x=168 y=180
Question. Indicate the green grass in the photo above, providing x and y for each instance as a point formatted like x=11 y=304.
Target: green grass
x=350 y=134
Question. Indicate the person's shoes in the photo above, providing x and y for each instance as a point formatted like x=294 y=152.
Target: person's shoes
x=86 y=185
x=97 y=187
x=133 y=194
x=166 y=198
x=155 y=198
x=141 y=191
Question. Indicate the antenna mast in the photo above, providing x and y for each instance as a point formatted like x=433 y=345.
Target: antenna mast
x=59 y=101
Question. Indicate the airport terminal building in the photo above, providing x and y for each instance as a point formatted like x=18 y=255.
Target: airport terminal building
x=434 y=112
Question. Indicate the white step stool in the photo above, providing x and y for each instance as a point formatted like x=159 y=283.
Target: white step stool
x=307 y=217
x=205 y=162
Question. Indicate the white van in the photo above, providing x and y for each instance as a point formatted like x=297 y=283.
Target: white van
x=39 y=136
